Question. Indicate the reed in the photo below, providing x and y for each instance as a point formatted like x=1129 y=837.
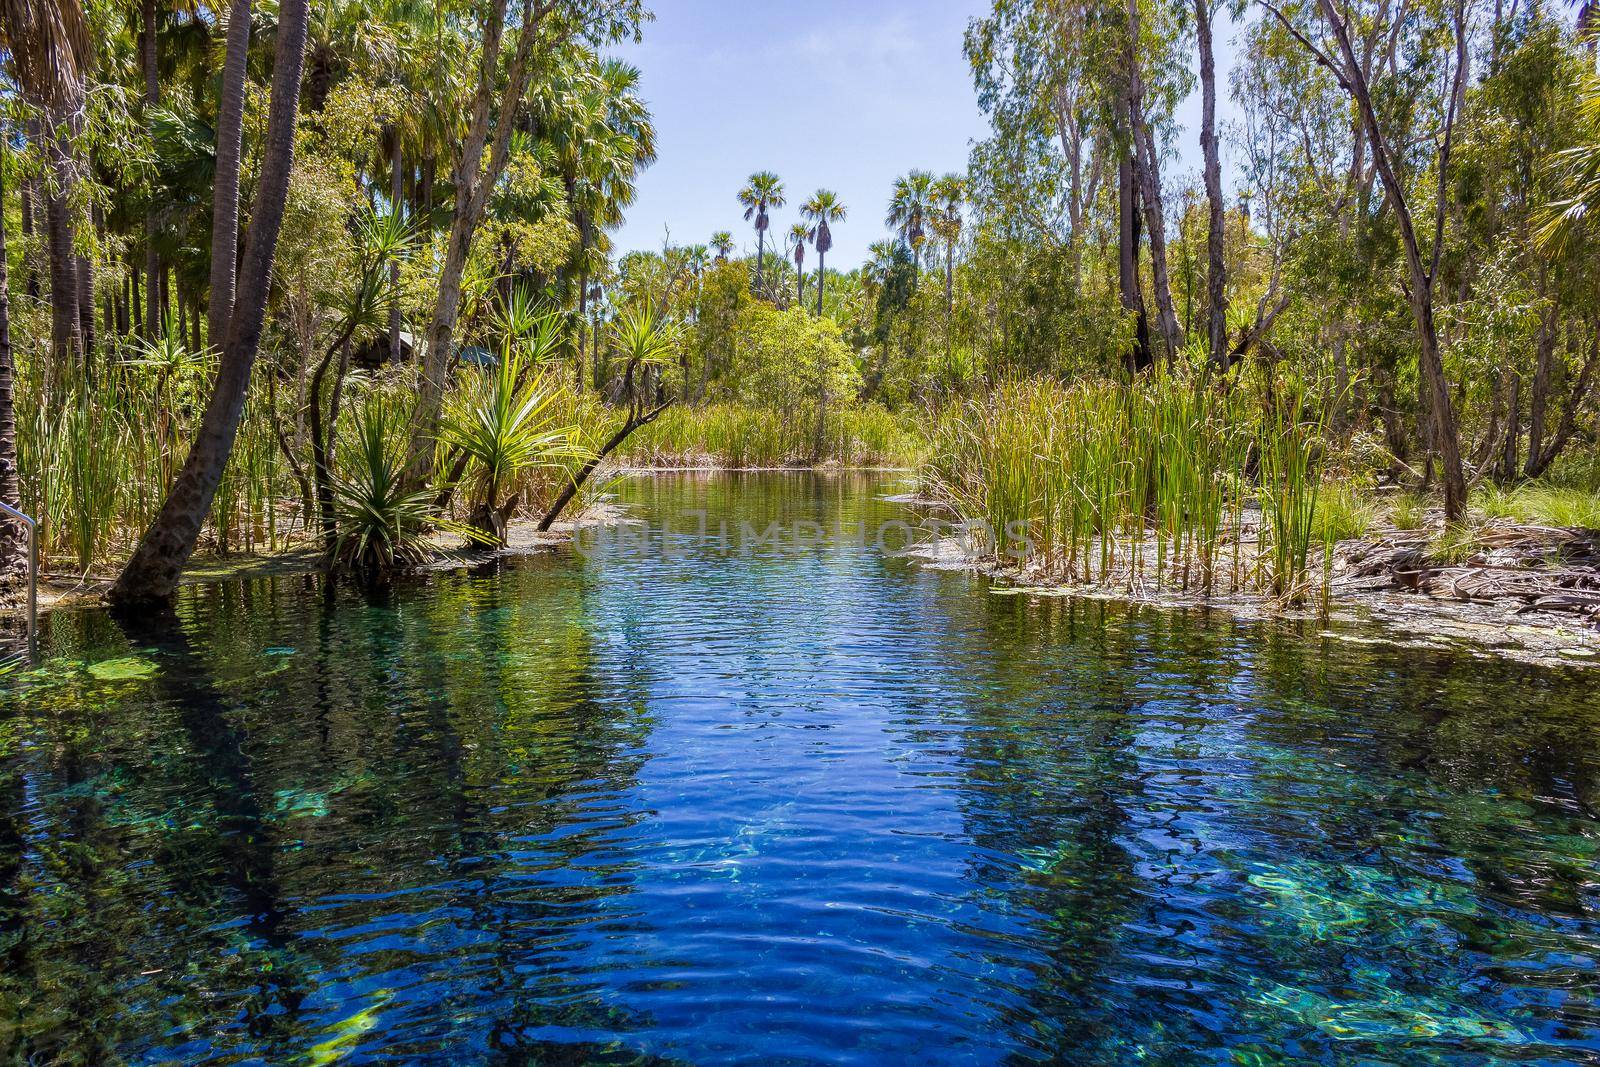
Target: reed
x=735 y=436
x=1102 y=482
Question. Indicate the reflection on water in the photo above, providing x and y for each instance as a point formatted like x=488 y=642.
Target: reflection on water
x=813 y=805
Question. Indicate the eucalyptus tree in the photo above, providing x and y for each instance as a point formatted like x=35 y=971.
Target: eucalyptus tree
x=822 y=210
x=910 y=206
x=799 y=234
x=760 y=195
x=540 y=30
x=1422 y=263
x=1216 y=254
x=151 y=575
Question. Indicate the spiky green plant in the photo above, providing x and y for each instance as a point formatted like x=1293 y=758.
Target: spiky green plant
x=381 y=525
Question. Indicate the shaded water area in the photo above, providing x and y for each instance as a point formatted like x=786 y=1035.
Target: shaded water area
x=678 y=802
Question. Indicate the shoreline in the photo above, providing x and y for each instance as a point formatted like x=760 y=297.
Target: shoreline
x=1353 y=614
x=1360 y=609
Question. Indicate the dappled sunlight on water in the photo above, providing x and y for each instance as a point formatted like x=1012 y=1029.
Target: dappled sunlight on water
x=795 y=804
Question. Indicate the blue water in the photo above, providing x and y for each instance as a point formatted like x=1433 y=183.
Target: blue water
x=785 y=804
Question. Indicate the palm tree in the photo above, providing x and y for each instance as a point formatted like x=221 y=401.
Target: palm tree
x=909 y=208
x=763 y=193
x=821 y=210
x=722 y=242
x=10 y=549
x=225 y=195
x=151 y=575
x=51 y=52
x=949 y=193
x=799 y=234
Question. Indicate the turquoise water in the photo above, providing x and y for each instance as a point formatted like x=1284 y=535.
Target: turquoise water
x=788 y=804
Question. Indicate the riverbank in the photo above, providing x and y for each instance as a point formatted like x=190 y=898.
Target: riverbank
x=523 y=536
x=1530 y=594
x=1524 y=592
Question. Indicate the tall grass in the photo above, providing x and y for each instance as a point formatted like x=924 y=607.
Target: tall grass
x=731 y=435
x=1103 y=482
x=95 y=464
x=1542 y=503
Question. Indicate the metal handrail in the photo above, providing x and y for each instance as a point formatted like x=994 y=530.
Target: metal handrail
x=33 y=568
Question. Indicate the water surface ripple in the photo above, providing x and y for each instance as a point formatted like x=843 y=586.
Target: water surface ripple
x=790 y=806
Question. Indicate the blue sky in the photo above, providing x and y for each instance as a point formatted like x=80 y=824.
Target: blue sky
x=841 y=94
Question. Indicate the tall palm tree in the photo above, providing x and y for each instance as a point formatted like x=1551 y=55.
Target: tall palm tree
x=949 y=194
x=722 y=243
x=799 y=234
x=10 y=490
x=761 y=195
x=151 y=575
x=50 y=48
x=225 y=194
x=909 y=208
x=821 y=211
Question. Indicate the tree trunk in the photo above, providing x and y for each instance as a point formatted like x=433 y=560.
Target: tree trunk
x=225 y=193
x=822 y=276
x=25 y=190
x=1567 y=425
x=152 y=99
x=1539 y=395
x=1508 y=454
x=152 y=574
x=66 y=342
x=1420 y=272
x=12 y=552
x=473 y=183
x=396 y=194
x=761 y=256
x=1128 y=240
x=1216 y=264
x=583 y=317
x=1147 y=173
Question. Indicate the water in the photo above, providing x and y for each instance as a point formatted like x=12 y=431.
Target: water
x=795 y=805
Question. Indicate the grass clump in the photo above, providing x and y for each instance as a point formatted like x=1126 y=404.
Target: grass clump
x=1150 y=481
x=1542 y=504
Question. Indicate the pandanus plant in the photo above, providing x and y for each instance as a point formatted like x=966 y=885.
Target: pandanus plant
x=382 y=524
x=504 y=425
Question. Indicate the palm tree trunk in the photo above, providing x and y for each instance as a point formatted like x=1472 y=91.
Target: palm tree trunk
x=225 y=193
x=65 y=339
x=822 y=277
x=25 y=189
x=396 y=198
x=11 y=551
x=152 y=574
x=152 y=100
x=761 y=257
x=949 y=278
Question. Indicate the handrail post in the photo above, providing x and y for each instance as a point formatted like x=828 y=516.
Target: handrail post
x=33 y=570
